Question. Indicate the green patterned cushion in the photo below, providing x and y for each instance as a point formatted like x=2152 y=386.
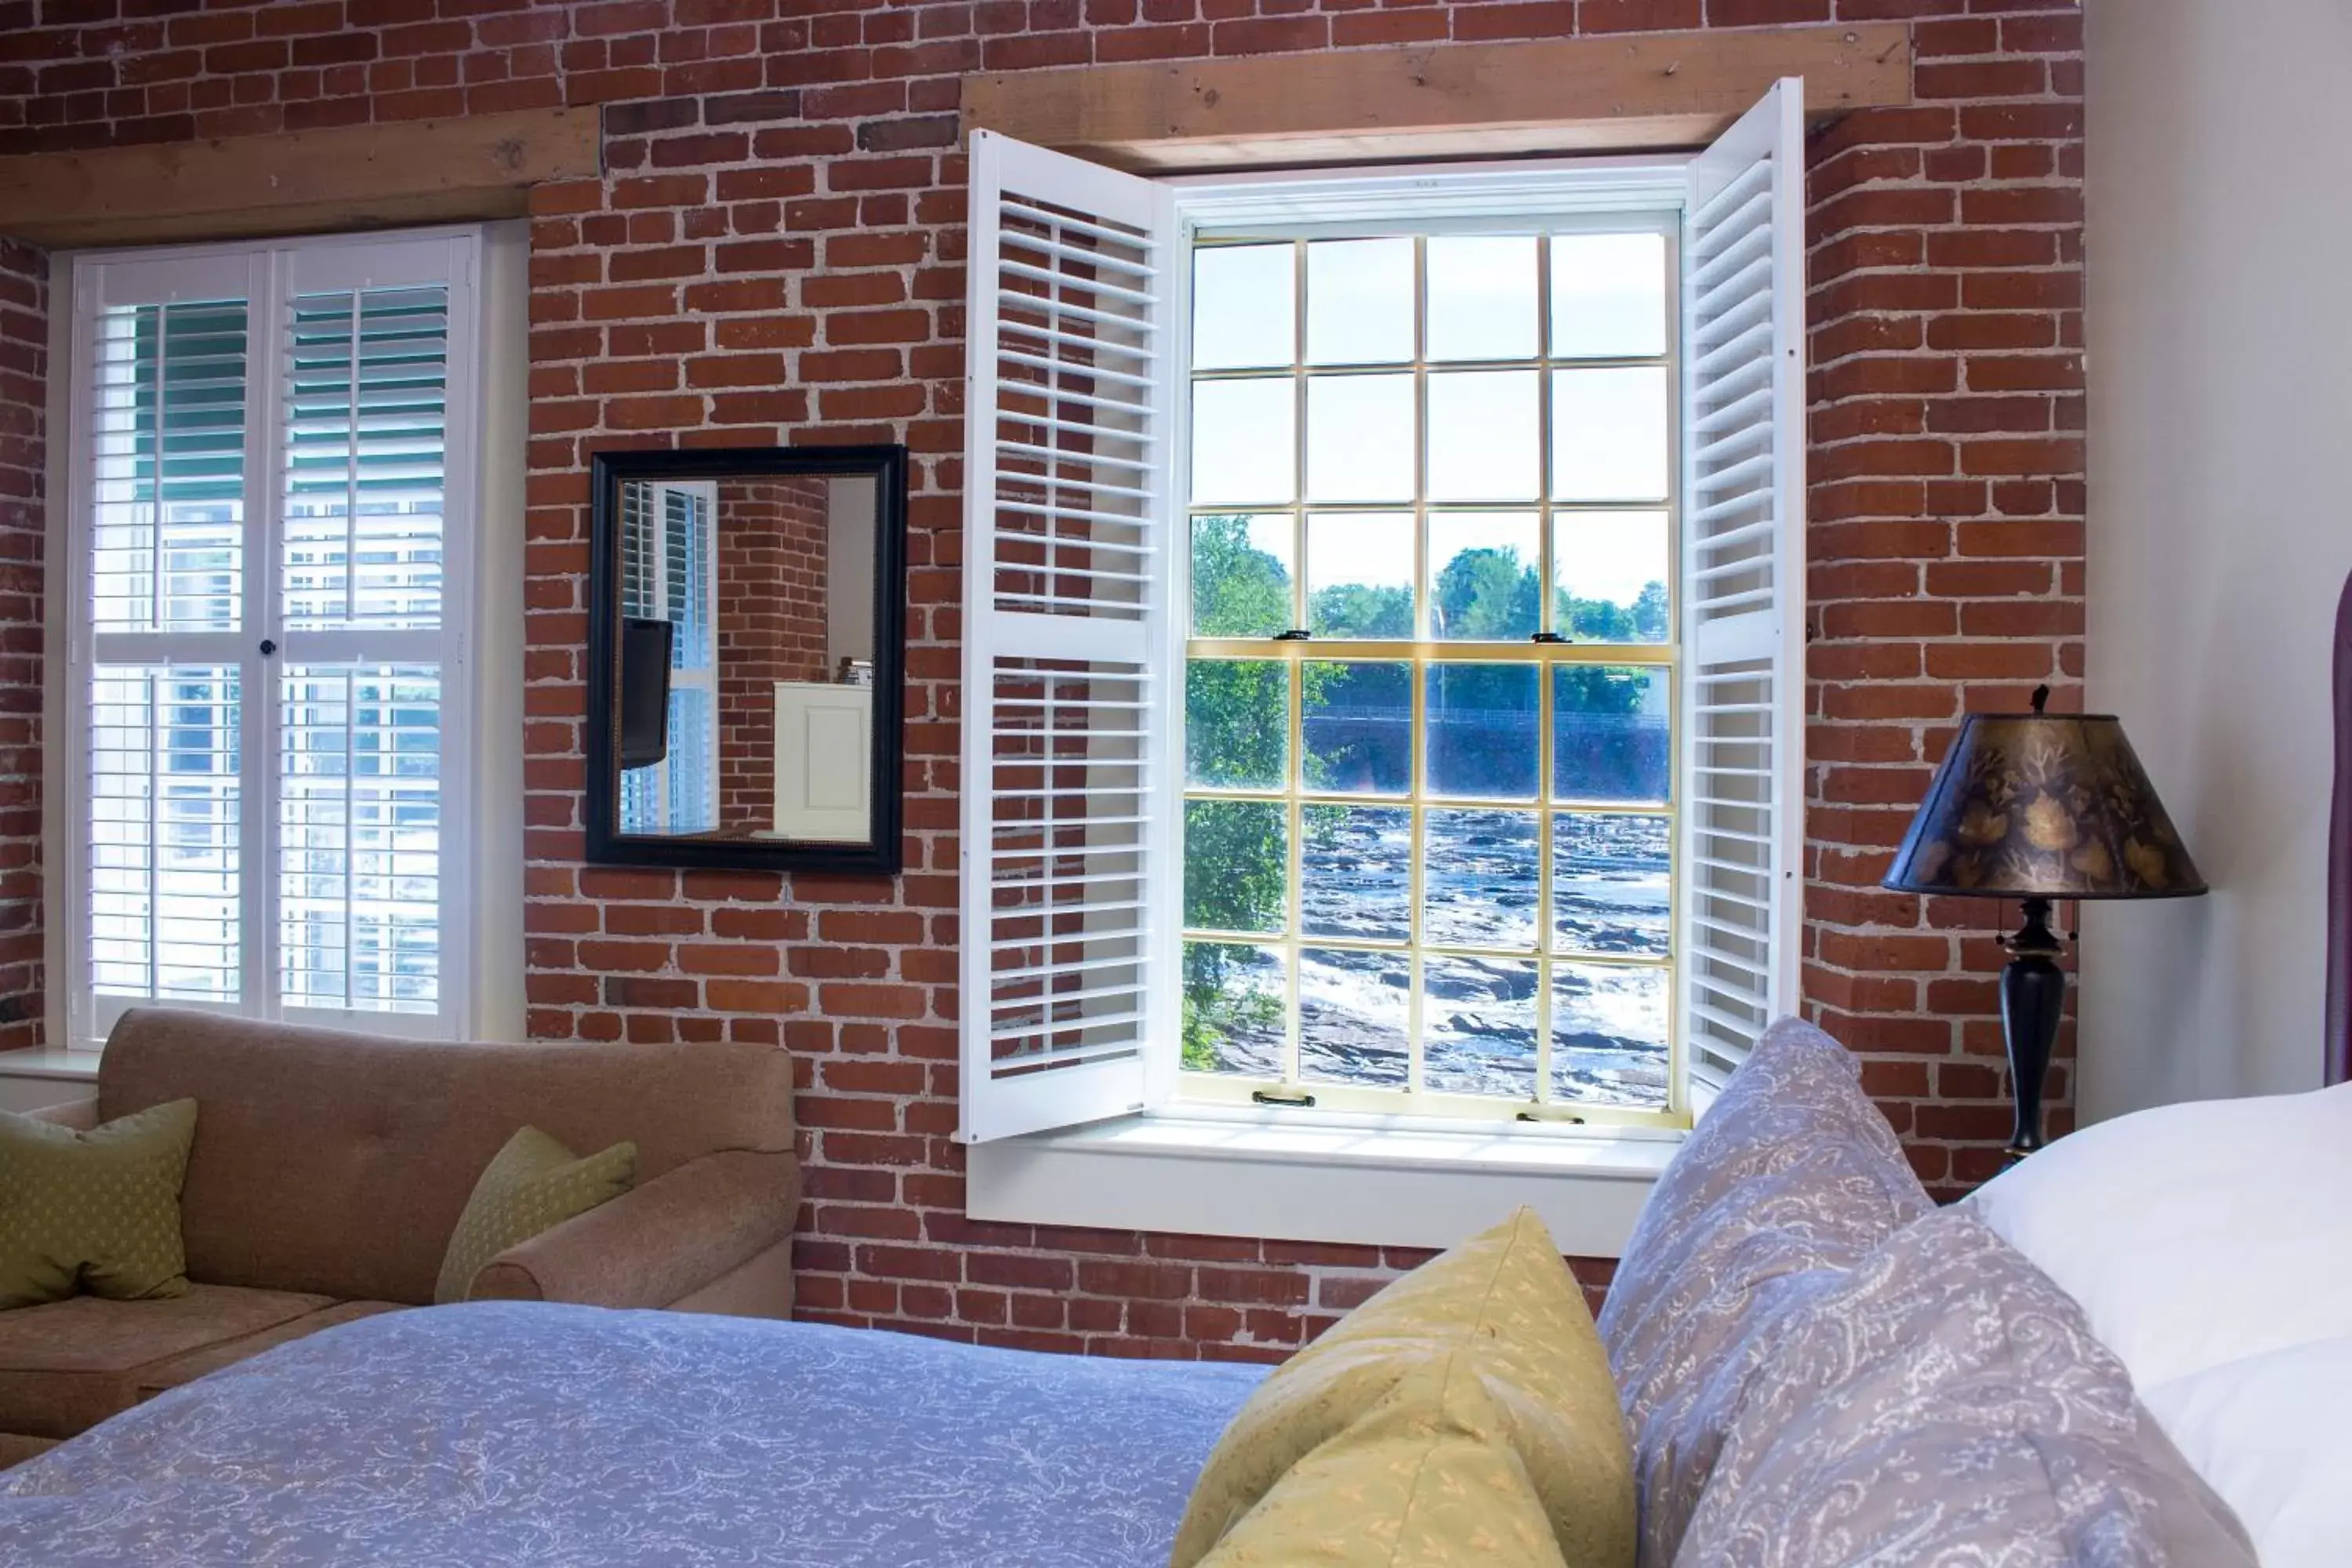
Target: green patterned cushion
x=532 y=1184
x=96 y=1211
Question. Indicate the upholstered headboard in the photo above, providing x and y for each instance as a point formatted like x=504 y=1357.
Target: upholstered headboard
x=2339 y=860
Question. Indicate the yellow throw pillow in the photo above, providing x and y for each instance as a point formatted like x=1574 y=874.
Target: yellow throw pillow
x=532 y=1184
x=96 y=1211
x=1502 y=1312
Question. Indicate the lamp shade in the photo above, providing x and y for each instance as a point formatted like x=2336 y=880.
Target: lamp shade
x=2043 y=806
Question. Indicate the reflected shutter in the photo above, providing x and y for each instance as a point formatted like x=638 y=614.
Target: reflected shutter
x=1065 y=848
x=1743 y=584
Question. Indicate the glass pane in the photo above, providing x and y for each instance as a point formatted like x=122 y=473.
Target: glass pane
x=358 y=817
x=166 y=804
x=167 y=544
x=1235 y=998
x=1359 y=441
x=1607 y=295
x=1244 y=306
x=1481 y=731
x=1357 y=727
x=1237 y=865
x=1608 y=734
x=1481 y=297
x=1478 y=1027
x=1359 y=301
x=1355 y=871
x=1359 y=574
x=1241 y=575
x=1611 y=876
x=1352 y=1016
x=1609 y=575
x=1484 y=441
x=1478 y=879
x=1245 y=442
x=366 y=426
x=1482 y=576
x=1238 y=723
x=1609 y=1035
x=1609 y=434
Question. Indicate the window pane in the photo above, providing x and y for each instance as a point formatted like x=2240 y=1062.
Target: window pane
x=1237 y=865
x=1360 y=440
x=165 y=794
x=1238 y=723
x=1235 y=998
x=1244 y=306
x=1609 y=575
x=1610 y=739
x=365 y=427
x=1478 y=1027
x=1478 y=879
x=1481 y=297
x=1482 y=576
x=1355 y=871
x=167 y=548
x=1245 y=442
x=1611 y=880
x=1359 y=574
x=1352 y=1017
x=1607 y=295
x=1357 y=727
x=1609 y=434
x=359 y=817
x=1484 y=441
x=1242 y=576
x=1359 y=301
x=1609 y=1035
x=1481 y=731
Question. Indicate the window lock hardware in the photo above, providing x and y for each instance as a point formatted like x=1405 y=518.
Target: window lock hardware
x=1555 y=1118
x=1296 y=634
x=1546 y=636
x=267 y=647
x=1292 y=1101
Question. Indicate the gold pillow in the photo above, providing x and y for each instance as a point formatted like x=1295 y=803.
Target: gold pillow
x=1501 y=1311
x=96 y=1211
x=532 y=1184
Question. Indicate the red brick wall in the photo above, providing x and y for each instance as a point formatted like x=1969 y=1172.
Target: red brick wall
x=776 y=252
x=772 y=627
x=24 y=353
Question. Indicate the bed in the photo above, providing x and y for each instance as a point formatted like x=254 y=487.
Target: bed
x=526 y=1432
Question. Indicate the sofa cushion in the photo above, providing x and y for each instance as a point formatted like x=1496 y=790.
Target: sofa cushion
x=304 y=1129
x=157 y=1376
x=97 y=1210
x=71 y=1364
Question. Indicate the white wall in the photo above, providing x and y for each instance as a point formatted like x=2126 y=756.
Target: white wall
x=2219 y=330
x=849 y=570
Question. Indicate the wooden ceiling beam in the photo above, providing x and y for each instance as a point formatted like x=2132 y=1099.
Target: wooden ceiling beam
x=297 y=182
x=1653 y=90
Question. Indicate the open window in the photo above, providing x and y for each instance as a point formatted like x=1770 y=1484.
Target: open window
x=1383 y=636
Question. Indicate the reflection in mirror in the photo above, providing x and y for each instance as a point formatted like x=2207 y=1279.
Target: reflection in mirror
x=747 y=649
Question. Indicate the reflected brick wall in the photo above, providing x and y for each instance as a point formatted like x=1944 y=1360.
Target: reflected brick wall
x=772 y=627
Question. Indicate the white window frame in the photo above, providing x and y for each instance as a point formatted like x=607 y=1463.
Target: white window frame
x=478 y=646
x=1080 y=1126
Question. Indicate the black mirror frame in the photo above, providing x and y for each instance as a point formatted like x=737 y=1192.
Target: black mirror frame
x=607 y=846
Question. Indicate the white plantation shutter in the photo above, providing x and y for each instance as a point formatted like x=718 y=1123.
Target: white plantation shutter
x=1743 y=584
x=269 y=542
x=1069 y=436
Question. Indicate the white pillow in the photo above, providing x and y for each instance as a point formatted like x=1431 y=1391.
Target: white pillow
x=2269 y=1433
x=2194 y=1235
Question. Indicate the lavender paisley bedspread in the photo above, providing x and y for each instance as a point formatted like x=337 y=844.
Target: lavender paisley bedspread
x=508 y=1433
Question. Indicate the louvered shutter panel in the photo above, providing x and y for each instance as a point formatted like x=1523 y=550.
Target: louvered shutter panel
x=1067 y=442
x=1743 y=584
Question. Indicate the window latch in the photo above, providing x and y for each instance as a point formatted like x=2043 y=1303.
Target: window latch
x=1546 y=636
x=1557 y=1118
x=1296 y=634
x=1299 y=1099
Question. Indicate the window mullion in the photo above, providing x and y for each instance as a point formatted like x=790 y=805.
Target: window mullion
x=258 y=768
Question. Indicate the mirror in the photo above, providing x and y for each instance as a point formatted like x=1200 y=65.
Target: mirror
x=745 y=657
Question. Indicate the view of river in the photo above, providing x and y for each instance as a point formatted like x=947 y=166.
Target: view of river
x=1479 y=1014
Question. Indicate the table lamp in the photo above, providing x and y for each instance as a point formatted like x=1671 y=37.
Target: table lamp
x=2039 y=806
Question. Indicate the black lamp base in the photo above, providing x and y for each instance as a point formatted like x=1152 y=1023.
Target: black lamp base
x=2032 y=999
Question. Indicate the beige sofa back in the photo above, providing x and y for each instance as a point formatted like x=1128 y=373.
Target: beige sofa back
x=339 y=1163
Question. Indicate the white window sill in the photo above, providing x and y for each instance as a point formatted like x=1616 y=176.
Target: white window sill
x=1289 y=1179
x=82 y=1065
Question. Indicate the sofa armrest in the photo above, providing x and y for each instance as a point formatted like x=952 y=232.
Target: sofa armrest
x=81 y=1115
x=658 y=1243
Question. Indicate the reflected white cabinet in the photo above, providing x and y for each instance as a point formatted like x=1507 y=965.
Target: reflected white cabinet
x=825 y=753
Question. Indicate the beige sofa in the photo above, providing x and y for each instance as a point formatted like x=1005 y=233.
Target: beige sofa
x=329 y=1170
